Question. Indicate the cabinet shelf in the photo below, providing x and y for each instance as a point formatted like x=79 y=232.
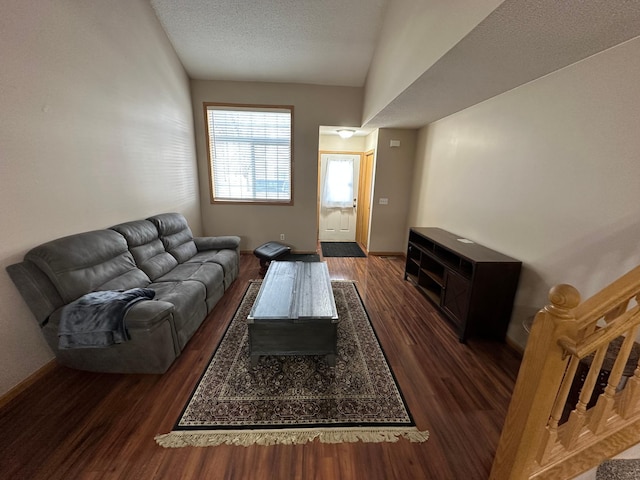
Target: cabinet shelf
x=433 y=296
x=472 y=285
x=433 y=276
x=411 y=276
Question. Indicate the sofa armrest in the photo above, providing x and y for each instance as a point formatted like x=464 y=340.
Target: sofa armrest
x=146 y=315
x=38 y=292
x=217 y=243
x=152 y=348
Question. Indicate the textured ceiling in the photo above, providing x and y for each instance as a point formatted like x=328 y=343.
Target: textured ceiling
x=519 y=41
x=331 y=42
x=327 y=42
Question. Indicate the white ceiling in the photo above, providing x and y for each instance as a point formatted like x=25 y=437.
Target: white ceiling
x=357 y=132
x=332 y=42
x=325 y=42
x=520 y=41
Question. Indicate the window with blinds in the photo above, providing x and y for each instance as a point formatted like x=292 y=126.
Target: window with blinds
x=250 y=153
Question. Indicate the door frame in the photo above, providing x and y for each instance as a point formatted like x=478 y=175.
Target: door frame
x=319 y=185
x=365 y=191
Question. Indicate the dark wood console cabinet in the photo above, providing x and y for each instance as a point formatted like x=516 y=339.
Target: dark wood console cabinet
x=472 y=285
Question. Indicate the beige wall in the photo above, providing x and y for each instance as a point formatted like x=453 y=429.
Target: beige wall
x=414 y=36
x=393 y=171
x=335 y=143
x=547 y=173
x=313 y=106
x=96 y=129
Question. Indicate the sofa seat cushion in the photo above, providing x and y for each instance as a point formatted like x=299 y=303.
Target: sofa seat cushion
x=227 y=259
x=188 y=298
x=86 y=262
x=210 y=275
x=146 y=247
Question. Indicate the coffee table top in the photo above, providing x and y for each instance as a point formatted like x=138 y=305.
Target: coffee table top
x=295 y=291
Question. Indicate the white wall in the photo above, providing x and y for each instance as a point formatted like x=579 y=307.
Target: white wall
x=414 y=35
x=96 y=129
x=547 y=173
x=314 y=106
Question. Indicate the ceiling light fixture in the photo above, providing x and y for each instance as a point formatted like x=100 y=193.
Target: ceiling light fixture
x=346 y=133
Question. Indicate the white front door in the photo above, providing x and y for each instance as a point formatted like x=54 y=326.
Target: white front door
x=338 y=194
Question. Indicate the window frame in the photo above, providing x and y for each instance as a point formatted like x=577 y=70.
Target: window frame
x=247 y=107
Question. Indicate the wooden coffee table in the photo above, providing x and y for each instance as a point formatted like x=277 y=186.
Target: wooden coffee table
x=294 y=312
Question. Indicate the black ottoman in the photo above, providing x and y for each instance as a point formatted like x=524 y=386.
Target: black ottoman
x=270 y=251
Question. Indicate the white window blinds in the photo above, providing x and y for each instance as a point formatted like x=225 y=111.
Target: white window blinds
x=250 y=153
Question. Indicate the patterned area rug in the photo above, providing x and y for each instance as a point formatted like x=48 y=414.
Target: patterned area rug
x=296 y=399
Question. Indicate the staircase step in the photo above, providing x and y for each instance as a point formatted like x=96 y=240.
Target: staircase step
x=619 y=470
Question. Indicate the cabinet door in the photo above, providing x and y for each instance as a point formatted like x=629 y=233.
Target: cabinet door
x=455 y=300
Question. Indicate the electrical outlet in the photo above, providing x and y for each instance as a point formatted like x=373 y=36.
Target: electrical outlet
x=282 y=236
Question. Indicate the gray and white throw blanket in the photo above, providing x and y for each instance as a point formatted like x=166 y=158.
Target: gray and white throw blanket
x=97 y=319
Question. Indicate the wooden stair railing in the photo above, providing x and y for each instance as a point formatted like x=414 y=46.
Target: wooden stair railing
x=540 y=438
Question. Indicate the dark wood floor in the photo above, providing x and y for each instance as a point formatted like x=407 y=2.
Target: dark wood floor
x=79 y=425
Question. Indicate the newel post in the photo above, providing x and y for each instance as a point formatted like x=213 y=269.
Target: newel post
x=538 y=382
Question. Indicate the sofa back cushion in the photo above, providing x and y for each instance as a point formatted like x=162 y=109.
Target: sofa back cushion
x=176 y=235
x=147 y=248
x=86 y=262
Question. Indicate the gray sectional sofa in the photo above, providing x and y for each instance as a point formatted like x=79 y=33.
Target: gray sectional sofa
x=188 y=275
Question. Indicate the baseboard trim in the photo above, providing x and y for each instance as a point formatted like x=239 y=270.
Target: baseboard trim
x=27 y=382
x=387 y=254
x=514 y=346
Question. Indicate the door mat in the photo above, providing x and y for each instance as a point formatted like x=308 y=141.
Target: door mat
x=299 y=257
x=341 y=249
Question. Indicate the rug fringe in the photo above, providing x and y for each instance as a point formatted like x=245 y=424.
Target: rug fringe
x=208 y=438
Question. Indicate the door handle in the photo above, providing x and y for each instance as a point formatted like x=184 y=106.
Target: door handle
x=354 y=203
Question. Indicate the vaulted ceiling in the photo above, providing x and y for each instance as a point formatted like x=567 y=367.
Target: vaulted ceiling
x=333 y=42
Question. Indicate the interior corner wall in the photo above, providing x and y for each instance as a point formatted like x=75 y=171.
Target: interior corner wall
x=371 y=141
x=414 y=35
x=392 y=181
x=96 y=129
x=314 y=106
x=547 y=173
